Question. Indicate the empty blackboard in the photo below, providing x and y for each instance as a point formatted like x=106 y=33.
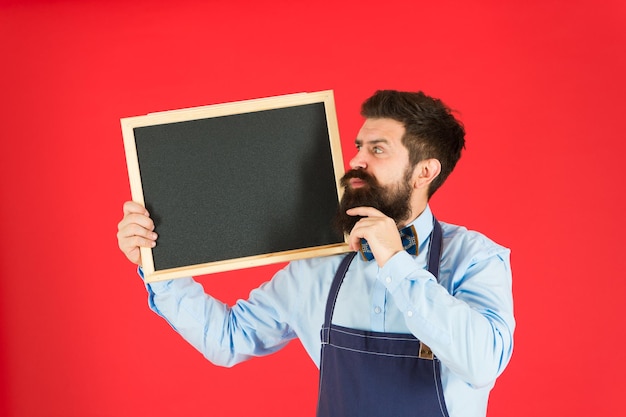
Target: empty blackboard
x=237 y=185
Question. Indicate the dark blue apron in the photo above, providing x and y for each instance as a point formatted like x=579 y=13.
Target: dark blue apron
x=376 y=374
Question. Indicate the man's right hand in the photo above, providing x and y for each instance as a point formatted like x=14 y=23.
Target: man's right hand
x=134 y=231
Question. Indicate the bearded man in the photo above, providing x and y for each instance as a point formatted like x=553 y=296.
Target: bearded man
x=419 y=324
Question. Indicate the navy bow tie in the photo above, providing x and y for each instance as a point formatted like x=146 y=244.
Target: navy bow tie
x=408 y=235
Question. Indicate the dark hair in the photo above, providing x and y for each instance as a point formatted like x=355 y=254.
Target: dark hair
x=431 y=129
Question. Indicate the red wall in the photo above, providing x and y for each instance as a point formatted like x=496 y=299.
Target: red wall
x=540 y=87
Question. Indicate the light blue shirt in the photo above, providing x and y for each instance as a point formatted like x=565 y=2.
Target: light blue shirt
x=466 y=318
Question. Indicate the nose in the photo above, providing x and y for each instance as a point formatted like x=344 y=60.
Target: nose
x=359 y=161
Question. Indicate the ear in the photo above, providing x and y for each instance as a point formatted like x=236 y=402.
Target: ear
x=425 y=172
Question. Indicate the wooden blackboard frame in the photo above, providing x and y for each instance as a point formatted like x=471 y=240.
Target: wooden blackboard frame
x=256 y=106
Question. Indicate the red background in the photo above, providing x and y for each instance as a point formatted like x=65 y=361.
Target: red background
x=539 y=85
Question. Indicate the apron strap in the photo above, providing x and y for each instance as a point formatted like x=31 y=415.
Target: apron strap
x=334 y=289
x=435 y=248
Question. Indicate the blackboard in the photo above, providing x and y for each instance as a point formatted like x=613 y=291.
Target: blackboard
x=237 y=185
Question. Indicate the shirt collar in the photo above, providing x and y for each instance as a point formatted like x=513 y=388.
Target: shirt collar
x=423 y=226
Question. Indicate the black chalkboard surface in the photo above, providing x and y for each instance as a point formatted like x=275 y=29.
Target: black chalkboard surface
x=237 y=185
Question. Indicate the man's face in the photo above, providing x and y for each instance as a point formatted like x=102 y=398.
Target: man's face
x=380 y=176
x=381 y=152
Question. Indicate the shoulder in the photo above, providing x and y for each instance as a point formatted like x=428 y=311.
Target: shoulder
x=475 y=246
x=473 y=261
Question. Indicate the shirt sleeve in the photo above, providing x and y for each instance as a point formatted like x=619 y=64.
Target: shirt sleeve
x=225 y=335
x=468 y=323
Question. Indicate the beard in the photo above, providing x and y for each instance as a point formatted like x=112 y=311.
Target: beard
x=393 y=200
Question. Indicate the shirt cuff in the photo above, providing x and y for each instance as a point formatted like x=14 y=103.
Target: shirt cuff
x=152 y=287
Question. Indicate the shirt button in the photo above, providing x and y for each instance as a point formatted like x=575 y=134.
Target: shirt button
x=409 y=313
x=388 y=280
x=377 y=310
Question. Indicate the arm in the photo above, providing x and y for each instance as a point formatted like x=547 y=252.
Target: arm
x=467 y=320
x=224 y=335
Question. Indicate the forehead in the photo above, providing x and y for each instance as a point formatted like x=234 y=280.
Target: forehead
x=387 y=130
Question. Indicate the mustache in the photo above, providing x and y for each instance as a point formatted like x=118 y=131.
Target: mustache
x=358 y=174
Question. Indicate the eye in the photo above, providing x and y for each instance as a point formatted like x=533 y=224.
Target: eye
x=377 y=150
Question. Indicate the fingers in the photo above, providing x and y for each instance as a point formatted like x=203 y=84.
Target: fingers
x=365 y=212
x=376 y=230
x=136 y=224
x=133 y=207
x=133 y=234
x=135 y=230
x=370 y=218
x=380 y=231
